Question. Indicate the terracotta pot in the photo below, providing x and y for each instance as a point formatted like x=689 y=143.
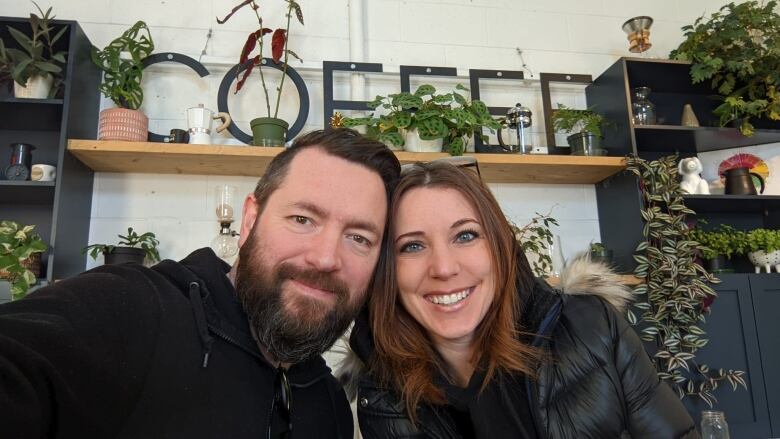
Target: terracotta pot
x=123 y=124
x=37 y=87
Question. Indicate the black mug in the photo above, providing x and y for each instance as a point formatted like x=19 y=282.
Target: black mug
x=178 y=136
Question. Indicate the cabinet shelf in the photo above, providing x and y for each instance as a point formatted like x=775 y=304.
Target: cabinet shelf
x=671 y=138
x=162 y=158
x=743 y=204
x=26 y=192
x=31 y=114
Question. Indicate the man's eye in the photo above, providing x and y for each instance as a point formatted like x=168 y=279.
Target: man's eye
x=411 y=247
x=301 y=219
x=360 y=239
x=466 y=236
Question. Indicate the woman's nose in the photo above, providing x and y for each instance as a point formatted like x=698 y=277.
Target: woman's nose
x=443 y=263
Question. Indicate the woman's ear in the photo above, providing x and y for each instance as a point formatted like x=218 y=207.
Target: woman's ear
x=248 y=218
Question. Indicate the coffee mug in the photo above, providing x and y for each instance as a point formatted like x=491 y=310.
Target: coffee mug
x=43 y=173
x=178 y=136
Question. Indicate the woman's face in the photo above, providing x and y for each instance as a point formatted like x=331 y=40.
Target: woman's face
x=444 y=271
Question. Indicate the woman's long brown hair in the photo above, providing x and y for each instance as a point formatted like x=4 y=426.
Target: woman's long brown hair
x=405 y=358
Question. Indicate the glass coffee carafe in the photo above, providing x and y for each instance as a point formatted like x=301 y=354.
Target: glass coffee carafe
x=644 y=110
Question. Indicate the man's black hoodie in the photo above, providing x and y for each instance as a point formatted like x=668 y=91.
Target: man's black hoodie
x=133 y=352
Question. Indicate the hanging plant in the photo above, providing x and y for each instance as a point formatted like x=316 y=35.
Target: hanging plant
x=736 y=48
x=676 y=288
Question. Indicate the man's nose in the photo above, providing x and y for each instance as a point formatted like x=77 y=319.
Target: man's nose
x=324 y=250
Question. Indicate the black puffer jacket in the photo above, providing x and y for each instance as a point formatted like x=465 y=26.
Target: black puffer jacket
x=598 y=383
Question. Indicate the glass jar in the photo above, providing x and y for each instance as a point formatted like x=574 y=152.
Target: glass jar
x=644 y=110
x=713 y=425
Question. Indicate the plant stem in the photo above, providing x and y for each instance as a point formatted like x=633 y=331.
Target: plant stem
x=286 y=55
x=260 y=66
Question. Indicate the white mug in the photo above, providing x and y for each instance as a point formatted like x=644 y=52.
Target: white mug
x=43 y=173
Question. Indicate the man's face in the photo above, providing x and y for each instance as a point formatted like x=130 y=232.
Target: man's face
x=308 y=255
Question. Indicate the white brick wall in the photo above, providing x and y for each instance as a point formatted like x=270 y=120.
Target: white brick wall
x=580 y=36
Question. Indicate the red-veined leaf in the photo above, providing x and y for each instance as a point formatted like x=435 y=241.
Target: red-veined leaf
x=243 y=3
x=240 y=83
x=251 y=43
x=277 y=44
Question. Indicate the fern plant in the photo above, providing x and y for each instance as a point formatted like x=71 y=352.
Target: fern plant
x=676 y=289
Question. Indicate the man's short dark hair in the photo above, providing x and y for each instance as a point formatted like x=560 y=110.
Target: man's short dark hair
x=339 y=142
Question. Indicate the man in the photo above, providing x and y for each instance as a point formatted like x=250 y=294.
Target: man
x=199 y=350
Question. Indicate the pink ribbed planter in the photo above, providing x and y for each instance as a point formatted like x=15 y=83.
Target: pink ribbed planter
x=123 y=124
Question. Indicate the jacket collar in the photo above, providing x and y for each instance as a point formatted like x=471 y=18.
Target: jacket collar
x=223 y=315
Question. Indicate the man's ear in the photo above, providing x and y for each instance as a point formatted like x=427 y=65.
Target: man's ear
x=248 y=218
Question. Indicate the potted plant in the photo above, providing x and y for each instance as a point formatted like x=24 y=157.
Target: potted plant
x=122 y=84
x=535 y=239
x=719 y=245
x=424 y=121
x=763 y=247
x=131 y=248
x=584 y=127
x=36 y=65
x=267 y=131
x=735 y=50
x=20 y=256
x=600 y=253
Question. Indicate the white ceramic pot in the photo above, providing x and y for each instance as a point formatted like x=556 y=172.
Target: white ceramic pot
x=38 y=87
x=413 y=143
x=766 y=261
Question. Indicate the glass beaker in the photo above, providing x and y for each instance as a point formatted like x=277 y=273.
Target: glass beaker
x=644 y=110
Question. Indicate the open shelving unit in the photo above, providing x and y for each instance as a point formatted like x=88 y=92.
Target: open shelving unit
x=242 y=160
x=60 y=209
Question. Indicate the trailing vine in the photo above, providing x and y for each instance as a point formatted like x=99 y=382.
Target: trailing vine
x=676 y=287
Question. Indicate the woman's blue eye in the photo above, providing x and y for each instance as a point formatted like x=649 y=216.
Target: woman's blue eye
x=411 y=247
x=466 y=236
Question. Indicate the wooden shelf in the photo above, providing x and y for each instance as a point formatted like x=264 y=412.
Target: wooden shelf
x=163 y=158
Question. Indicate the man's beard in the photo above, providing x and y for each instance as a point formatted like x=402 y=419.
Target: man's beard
x=296 y=327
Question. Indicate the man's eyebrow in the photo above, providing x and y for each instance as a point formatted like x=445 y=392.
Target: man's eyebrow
x=350 y=223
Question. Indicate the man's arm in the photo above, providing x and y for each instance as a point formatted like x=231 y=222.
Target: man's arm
x=73 y=355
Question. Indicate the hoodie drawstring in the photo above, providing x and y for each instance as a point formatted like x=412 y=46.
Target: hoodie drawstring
x=200 y=320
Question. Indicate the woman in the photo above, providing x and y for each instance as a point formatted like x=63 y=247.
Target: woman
x=466 y=343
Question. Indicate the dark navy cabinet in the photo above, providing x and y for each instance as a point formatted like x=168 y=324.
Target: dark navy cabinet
x=743 y=328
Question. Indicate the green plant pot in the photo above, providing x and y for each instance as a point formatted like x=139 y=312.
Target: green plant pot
x=125 y=255
x=585 y=143
x=269 y=131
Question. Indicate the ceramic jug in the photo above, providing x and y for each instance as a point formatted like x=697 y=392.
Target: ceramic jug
x=739 y=181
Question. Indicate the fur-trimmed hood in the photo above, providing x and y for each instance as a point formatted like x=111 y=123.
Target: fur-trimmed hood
x=580 y=277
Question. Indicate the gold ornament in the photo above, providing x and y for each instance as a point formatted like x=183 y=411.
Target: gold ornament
x=337 y=120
